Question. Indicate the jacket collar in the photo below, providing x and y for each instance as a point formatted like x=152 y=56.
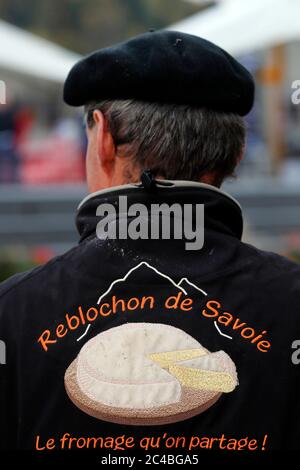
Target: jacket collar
x=222 y=212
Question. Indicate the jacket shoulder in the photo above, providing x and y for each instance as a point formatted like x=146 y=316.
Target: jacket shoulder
x=277 y=261
x=272 y=265
x=30 y=279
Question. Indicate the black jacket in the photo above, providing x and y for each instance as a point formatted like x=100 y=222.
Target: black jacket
x=44 y=322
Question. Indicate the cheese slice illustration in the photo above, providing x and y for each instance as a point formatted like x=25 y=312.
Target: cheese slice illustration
x=213 y=371
x=166 y=359
x=147 y=373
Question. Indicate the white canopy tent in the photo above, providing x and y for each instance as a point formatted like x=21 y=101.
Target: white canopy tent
x=241 y=26
x=244 y=27
x=25 y=53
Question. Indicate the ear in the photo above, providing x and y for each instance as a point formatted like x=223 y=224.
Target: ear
x=105 y=145
x=242 y=154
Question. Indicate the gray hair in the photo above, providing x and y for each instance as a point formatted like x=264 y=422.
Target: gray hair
x=174 y=141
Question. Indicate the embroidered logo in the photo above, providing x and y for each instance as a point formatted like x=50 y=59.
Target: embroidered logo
x=147 y=374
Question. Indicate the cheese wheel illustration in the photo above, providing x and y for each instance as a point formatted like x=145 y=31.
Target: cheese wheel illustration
x=147 y=373
x=115 y=368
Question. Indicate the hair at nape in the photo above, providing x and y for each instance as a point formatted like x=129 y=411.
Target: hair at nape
x=174 y=141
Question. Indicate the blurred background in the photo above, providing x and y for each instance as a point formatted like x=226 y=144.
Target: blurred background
x=42 y=141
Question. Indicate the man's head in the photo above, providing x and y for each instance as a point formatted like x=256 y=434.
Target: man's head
x=165 y=101
x=177 y=142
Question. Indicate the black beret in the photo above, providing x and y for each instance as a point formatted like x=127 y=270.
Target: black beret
x=163 y=66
